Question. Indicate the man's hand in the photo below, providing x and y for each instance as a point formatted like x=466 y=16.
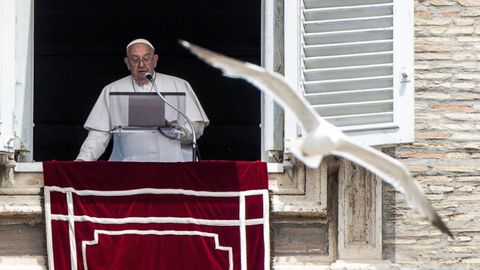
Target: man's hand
x=170 y=123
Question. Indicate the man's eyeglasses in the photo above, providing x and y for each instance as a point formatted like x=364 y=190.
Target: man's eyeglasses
x=147 y=59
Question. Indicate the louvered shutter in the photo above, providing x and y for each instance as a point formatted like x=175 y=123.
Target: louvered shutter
x=16 y=77
x=356 y=65
x=7 y=75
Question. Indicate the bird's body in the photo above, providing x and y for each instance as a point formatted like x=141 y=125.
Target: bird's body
x=322 y=138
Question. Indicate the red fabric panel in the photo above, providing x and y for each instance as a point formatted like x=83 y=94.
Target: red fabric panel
x=189 y=218
x=145 y=205
x=164 y=252
x=58 y=205
x=254 y=206
x=255 y=252
x=62 y=251
x=203 y=175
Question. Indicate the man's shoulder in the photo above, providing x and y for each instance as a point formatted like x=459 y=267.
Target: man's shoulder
x=123 y=84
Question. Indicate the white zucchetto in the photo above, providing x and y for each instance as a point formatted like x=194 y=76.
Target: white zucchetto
x=140 y=40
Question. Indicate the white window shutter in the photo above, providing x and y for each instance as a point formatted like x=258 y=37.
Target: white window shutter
x=16 y=77
x=355 y=65
x=7 y=75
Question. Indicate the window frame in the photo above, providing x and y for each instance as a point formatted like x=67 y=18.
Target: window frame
x=402 y=130
x=16 y=78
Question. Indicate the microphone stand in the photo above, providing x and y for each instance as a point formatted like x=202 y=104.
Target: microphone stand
x=149 y=77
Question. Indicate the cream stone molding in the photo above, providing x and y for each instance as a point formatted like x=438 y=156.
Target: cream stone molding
x=7 y=164
x=22 y=178
x=359 y=213
x=299 y=190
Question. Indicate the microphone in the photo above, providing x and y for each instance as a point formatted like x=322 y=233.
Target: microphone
x=149 y=77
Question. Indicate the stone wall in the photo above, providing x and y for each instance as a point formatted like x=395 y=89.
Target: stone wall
x=445 y=157
x=22 y=226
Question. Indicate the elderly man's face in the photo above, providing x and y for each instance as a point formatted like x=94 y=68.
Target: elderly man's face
x=140 y=60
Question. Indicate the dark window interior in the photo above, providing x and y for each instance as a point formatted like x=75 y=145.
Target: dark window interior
x=80 y=45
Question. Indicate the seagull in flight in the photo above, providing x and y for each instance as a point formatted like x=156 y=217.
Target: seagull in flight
x=323 y=138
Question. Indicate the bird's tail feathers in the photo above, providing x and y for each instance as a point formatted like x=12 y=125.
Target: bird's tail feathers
x=421 y=203
x=395 y=173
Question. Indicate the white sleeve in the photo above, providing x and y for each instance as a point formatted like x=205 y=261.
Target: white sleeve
x=94 y=145
x=99 y=117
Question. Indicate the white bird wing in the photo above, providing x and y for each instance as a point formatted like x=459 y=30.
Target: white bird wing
x=384 y=166
x=393 y=172
x=271 y=83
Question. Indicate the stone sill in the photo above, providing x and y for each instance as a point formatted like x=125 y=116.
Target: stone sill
x=22 y=263
x=29 y=167
x=20 y=205
x=301 y=267
x=10 y=191
x=364 y=265
x=37 y=167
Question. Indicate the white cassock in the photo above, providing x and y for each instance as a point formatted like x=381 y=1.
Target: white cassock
x=149 y=145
